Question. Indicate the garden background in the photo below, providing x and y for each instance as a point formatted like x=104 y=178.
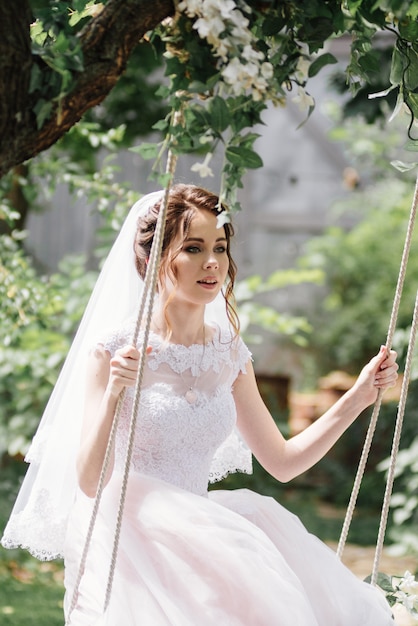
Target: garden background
x=320 y=231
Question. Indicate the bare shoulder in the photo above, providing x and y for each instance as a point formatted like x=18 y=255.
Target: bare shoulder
x=98 y=363
x=245 y=383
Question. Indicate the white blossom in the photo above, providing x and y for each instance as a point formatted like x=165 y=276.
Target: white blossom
x=233 y=72
x=249 y=54
x=266 y=70
x=302 y=69
x=222 y=219
x=191 y=7
x=258 y=88
x=209 y=29
x=203 y=169
x=240 y=34
x=409 y=601
x=257 y=95
x=223 y=49
x=408 y=584
x=241 y=76
x=303 y=99
x=206 y=138
x=225 y=27
x=226 y=8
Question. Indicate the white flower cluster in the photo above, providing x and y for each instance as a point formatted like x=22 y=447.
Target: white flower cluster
x=303 y=99
x=407 y=593
x=225 y=27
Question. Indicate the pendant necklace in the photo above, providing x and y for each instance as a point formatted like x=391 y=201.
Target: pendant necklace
x=191 y=394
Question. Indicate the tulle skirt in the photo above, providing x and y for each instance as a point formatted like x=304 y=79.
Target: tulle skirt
x=234 y=558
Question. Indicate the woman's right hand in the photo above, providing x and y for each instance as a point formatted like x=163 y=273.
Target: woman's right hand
x=123 y=369
x=106 y=378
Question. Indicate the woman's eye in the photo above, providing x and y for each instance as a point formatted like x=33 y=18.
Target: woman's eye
x=197 y=249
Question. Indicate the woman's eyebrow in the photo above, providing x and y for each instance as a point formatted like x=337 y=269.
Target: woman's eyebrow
x=200 y=240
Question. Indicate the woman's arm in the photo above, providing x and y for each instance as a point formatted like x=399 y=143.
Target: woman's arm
x=106 y=378
x=287 y=459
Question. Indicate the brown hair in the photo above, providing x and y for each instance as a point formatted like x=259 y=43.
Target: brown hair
x=183 y=203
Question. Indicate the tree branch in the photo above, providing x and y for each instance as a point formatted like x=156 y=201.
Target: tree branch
x=107 y=41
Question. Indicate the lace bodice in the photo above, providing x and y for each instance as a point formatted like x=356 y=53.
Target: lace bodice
x=186 y=443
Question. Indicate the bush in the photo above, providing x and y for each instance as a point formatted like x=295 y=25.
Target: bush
x=38 y=315
x=361 y=268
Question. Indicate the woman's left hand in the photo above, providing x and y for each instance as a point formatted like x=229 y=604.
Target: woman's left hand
x=380 y=373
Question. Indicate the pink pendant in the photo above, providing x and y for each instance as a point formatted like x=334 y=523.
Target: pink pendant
x=190 y=396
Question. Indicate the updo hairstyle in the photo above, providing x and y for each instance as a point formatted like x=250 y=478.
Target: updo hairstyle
x=183 y=203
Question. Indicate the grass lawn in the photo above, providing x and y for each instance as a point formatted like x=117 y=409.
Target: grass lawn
x=30 y=592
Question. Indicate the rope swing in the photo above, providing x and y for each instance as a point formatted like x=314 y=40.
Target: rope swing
x=395 y=444
x=376 y=409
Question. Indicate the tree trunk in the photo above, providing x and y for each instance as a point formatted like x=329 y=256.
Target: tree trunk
x=107 y=41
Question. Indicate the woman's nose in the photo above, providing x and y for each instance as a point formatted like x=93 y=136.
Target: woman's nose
x=211 y=262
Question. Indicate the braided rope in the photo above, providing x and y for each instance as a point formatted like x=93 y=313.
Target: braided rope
x=395 y=444
x=93 y=517
x=153 y=265
x=145 y=310
x=376 y=409
x=106 y=461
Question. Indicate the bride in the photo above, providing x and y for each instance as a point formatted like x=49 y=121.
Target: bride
x=186 y=556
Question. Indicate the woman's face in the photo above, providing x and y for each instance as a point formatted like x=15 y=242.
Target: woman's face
x=202 y=264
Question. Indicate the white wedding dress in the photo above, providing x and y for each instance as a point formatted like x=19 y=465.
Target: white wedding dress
x=192 y=558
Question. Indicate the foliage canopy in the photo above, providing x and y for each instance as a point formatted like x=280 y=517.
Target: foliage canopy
x=224 y=62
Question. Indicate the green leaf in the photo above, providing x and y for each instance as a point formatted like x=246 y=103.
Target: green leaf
x=397 y=66
x=42 y=110
x=197 y=86
x=320 y=62
x=412 y=11
x=370 y=63
x=411 y=72
x=220 y=114
x=411 y=99
x=146 y=150
x=38 y=35
x=82 y=12
x=35 y=78
x=162 y=91
x=161 y=125
x=411 y=145
x=283 y=278
x=243 y=157
x=248 y=139
x=163 y=179
x=197 y=118
x=272 y=26
x=408 y=28
x=385 y=582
